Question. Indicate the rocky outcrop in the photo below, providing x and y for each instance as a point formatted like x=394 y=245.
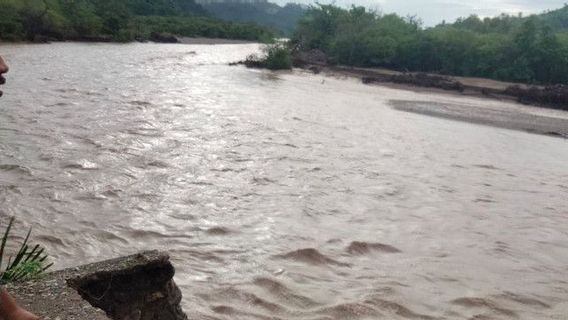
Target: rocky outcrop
x=138 y=287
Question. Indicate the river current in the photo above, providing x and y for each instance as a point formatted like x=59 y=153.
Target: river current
x=281 y=195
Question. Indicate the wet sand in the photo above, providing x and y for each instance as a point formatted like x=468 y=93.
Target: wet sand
x=491 y=116
x=528 y=118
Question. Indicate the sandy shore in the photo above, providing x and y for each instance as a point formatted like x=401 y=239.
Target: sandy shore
x=491 y=116
x=507 y=118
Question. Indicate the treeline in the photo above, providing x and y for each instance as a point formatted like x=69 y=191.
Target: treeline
x=114 y=20
x=283 y=19
x=512 y=48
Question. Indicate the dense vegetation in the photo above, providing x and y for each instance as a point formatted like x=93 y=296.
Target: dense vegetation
x=283 y=19
x=121 y=20
x=514 y=48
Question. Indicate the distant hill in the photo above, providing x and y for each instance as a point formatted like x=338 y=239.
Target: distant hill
x=261 y=12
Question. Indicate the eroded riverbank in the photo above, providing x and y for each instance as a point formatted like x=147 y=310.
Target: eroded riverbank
x=552 y=97
x=127 y=288
x=282 y=195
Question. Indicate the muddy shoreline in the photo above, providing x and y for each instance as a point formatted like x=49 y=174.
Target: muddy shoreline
x=471 y=87
x=550 y=96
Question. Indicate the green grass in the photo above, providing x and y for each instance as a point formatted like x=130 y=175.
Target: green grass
x=29 y=262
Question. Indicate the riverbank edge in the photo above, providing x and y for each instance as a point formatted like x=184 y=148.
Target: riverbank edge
x=383 y=77
x=454 y=85
x=470 y=87
x=316 y=61
x=139 y=286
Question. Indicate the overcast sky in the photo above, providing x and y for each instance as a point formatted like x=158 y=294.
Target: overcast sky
x=433 y=12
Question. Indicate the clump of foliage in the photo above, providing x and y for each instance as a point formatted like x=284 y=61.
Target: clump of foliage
x=30 y=261
x=117 y=20
x=274 y=57
x=277 y=57
x=513 y=48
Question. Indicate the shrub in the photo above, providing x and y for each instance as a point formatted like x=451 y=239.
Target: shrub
x=277 y=57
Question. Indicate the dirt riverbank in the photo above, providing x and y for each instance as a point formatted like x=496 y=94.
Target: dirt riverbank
x=478 y=87
x=552 y=123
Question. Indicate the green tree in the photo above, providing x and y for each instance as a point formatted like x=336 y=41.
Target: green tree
x=82 y=17
x=513 y=48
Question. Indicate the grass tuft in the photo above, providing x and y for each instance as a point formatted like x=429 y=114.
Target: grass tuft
x=29 y=262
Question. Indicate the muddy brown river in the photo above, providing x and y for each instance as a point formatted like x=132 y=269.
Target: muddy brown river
x=282 y=195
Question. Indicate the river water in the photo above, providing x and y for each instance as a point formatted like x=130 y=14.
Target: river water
x=282 y=195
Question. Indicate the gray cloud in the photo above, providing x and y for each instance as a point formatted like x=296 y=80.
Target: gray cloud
x=435 y=11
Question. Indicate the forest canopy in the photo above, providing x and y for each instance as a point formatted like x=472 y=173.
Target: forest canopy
x=117 y=20
x=513 y=48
